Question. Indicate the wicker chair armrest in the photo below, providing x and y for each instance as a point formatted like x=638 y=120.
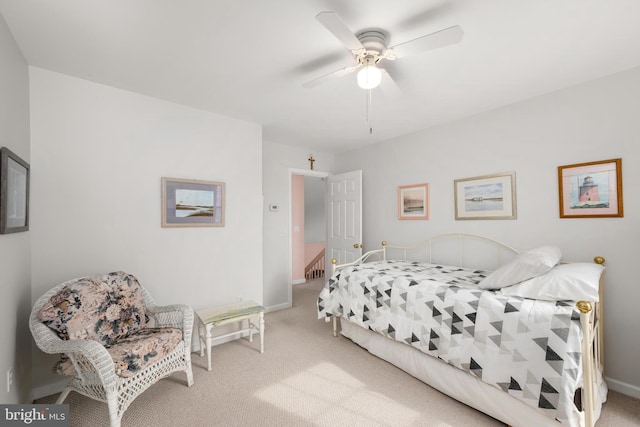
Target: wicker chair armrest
x=175 y=316
x=94 y=352
x=181 y=308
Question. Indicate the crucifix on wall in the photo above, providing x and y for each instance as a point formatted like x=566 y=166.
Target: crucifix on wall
x=311 y=160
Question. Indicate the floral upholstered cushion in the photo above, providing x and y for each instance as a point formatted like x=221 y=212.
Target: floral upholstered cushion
x=103 y=308
x=135 y=352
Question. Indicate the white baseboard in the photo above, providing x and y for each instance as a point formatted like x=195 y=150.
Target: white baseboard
x=624 y=388
x=299 y=281
x=278 y=307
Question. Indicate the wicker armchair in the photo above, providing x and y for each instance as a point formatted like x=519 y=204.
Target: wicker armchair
x=95 y=370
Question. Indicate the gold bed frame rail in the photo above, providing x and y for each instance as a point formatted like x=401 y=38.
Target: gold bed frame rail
x=592 y=350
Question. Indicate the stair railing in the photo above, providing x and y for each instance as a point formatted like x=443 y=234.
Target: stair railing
x=315 y=268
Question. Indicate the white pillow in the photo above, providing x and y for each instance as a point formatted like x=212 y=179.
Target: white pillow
x=526 y=265
x=575 y=282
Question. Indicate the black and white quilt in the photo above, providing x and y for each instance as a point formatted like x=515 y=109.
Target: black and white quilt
x=528 y=348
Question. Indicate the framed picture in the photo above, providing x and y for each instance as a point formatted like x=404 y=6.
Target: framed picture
x=14 y=193
x=192 y=203
x=486 y=197
x=589 y=190
x=413 y=201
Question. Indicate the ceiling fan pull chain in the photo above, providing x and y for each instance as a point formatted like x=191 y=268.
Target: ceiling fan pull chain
x=369 y=111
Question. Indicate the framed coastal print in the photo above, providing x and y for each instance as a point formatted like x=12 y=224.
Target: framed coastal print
x=192 y=203
x=486 y=197
x=592 y=189
x=14 y=193
x=413 y=201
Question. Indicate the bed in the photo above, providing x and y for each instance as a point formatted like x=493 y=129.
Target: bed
x=515 y=335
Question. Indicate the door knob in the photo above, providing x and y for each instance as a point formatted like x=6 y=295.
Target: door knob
x=358 y=246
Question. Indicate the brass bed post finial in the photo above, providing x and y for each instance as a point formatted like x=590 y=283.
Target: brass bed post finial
x=584 y=306
x=334 y=264
x=599 y=260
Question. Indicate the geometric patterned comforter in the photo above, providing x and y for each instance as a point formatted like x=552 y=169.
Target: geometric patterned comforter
x=528 y=348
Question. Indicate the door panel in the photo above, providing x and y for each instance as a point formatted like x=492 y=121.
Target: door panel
x=344 y=196
x=334 y=218
x=351 y=227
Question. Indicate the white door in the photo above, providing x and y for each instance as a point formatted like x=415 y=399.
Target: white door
x=344 y=218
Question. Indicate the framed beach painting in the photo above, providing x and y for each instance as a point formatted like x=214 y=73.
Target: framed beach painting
x=14 y=193
x=192 y=203
x=592 y=189
x=413 y=201
x=486 y=197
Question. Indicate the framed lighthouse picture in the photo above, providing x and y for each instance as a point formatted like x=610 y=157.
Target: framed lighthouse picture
x=589 y=190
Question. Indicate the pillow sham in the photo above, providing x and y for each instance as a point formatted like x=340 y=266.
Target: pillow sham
x=573 y=282
x=526 y=265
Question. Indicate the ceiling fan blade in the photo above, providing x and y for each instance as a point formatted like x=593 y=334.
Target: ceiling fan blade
x=334 y=24
x=328 y=77
x=431 y=41
x=388 y=86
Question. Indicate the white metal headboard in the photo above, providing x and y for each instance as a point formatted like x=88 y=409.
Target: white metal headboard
x=458 y=249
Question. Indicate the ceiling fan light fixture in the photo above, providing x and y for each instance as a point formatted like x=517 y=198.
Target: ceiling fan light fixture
x=369 y=77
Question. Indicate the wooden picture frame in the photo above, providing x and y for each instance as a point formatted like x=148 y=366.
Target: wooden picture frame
x=192 y=203
x=413 y=201
x=591 y=190
x=14 y=193
x=486 y=197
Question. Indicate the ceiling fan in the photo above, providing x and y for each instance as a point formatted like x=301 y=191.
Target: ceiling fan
x=369 y=47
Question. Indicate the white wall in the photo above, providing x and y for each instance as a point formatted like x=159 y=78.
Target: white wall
x=277 y=161
x=595 y=121
x=98 y=154
x=15 y=304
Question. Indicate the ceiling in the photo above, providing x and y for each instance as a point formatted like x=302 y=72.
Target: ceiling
x=248 y=59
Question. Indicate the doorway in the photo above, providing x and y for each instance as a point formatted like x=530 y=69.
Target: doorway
x=309 y=228
x=343 y=219
x=307 y=222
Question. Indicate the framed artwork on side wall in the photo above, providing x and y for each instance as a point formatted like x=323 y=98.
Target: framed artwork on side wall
x=192 y=203
x=413 y=201
x=14 y=193
x=486 y=197
x=591 y=190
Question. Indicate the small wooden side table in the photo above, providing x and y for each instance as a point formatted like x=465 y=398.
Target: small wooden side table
x=218 y=316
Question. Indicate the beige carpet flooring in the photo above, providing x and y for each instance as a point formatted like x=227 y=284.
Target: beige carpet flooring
x=306 y=377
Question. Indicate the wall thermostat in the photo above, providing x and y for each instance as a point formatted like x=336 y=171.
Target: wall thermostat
x=274 y=208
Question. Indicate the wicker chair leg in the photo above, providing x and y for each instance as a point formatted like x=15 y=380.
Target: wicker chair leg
x=189 y=373
x=114 y=416
x=63 y=395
